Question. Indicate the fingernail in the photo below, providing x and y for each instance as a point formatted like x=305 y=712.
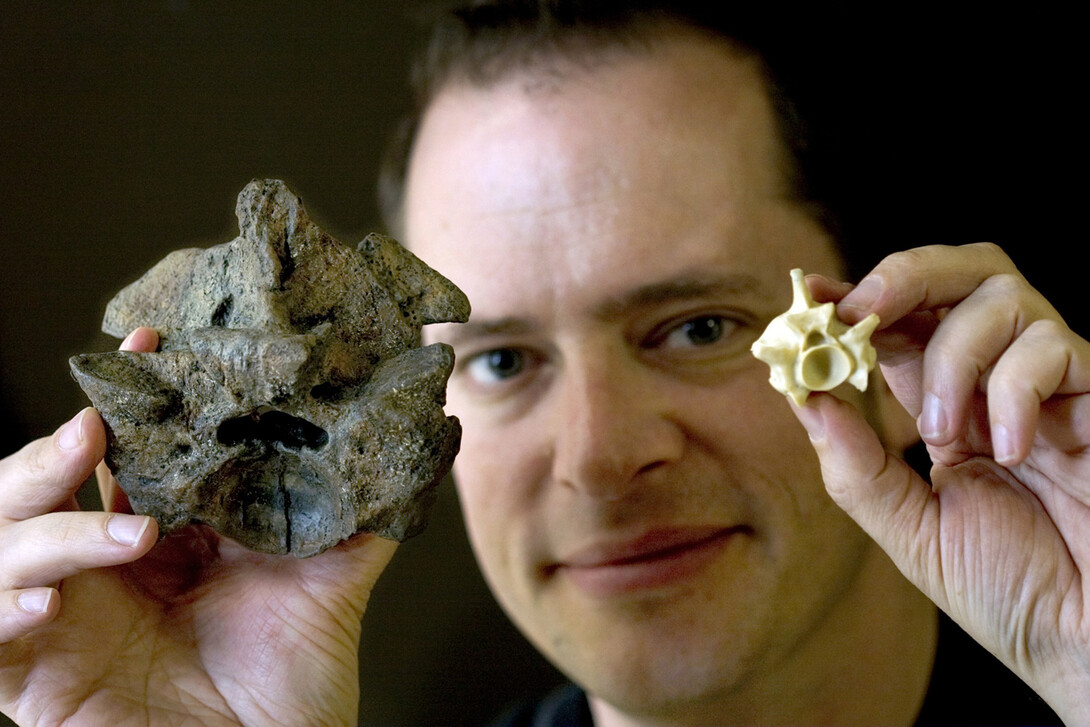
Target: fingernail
x=127 y=529
x=1002 y=444
x=864 y=296
x=70 y=435
x=813 y=421
x=932 y=422
x=35 y=600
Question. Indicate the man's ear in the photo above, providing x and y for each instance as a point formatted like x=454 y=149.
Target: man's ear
x=894 y=425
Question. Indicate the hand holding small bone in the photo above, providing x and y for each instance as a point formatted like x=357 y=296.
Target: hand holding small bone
x=997 y=383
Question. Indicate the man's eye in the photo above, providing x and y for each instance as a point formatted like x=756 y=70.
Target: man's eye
x=701 y=331
x=496 y=365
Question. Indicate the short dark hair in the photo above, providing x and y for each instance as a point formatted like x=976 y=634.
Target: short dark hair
x=481 y=41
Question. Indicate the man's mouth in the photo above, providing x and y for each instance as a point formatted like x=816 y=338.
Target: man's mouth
x=654 y=560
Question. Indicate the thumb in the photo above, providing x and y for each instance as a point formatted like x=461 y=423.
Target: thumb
x=886 y=497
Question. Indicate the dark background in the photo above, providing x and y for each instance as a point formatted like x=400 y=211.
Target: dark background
x=128 y=129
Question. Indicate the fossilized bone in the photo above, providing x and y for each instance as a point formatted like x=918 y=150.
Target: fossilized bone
x=291 y=404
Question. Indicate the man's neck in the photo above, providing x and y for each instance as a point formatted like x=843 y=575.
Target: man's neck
x=868 y=664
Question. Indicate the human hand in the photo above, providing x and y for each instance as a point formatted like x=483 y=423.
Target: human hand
x=102 y=624
x=998 y=384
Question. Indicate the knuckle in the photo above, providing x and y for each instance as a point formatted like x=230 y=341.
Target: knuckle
x=1008 y=285
x=23 y=477
x=951 y=360
x=76 y=533
x=897 y=264
x=1047 y=329
x=1019 y=300
x=1007 y=379
x=50 y=547
x=33 y=462
x=904 y=261
x=68 y=532
x=20 y=615
x=998 y=256
x=40 y=476
x=1037 y=356
x=27 y=487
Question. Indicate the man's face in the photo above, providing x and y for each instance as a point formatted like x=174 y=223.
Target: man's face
x=642 y=502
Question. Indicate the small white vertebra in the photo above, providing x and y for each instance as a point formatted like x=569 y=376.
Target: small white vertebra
x=809 y=349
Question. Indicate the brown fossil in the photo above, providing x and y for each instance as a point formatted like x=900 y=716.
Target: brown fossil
x=291 y=404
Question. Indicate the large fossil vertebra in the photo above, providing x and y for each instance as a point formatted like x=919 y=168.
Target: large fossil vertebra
x=291 y=404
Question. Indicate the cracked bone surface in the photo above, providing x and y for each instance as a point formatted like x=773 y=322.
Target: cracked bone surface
x=291 y=404
x=809 y=349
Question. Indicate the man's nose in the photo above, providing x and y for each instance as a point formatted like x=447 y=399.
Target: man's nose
x=616 y=424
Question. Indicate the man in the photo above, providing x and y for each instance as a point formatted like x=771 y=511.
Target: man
x=622 y=215
x=643 y=504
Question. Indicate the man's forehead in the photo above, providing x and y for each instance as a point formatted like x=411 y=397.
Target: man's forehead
x=676 y=83
x=656 y=121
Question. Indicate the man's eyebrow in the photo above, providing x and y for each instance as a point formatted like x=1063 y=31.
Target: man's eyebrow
x=681 y=288
x=472 y=329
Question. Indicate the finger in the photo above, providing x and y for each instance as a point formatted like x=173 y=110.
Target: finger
x=1047 y=360
x=47 y=549
x=141 y=339
x=824 y=289
x=899 y=345
x=110 y=492
x=900 y=351
x=880 y=492
x=909 y=335
x=967 y=343
x=925 y=278
x=107 y=486
x=46 y=473
x=25 y=610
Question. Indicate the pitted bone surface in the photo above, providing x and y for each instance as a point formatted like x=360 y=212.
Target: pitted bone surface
x=291 y=404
